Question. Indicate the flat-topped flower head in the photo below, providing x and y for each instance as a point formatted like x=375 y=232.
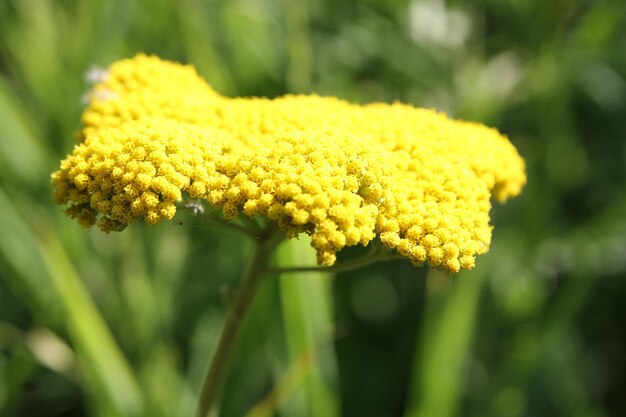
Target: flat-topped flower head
x=154 y=132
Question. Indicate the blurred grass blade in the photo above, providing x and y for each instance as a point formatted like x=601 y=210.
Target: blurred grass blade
x=285 y=388
x=22 y=156
x=26 y=276
x=198 y=42
x=299 y=48
x=443 y=346
x=306 y=302
x=101 y=358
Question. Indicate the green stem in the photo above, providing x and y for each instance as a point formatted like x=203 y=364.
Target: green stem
x=249 y=227
x=251 y=224
x=231 y=224
x=257 y=269
x=375 y=255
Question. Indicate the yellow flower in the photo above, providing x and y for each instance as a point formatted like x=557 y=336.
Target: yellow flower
x=345 y=174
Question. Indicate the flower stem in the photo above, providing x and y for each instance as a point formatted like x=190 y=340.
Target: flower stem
x=245 y=228
x=257 y=269
x=375 y=255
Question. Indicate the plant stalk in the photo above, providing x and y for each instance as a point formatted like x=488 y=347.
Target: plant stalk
x=256 y=271
x=375 y=255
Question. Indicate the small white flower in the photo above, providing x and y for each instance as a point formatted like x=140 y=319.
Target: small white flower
x=95 y=75
x=196 y=207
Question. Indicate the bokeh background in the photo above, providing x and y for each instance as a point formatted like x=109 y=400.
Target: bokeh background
x=123 y=324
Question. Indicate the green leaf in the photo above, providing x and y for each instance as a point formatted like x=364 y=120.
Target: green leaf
x=106 y=369
x=444 y=345
x=307 y=303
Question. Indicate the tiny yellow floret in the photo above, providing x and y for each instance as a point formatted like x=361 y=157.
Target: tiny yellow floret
x=155 y=132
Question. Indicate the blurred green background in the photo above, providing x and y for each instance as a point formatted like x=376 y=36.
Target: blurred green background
x=124 y=324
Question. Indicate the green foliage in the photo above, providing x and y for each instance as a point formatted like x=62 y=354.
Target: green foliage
x=124 y=324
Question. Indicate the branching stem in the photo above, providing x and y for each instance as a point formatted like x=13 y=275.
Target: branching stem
x=231 y=224
x=265 y=240
x=264 y=244
x=377 y=254
x=247 y=225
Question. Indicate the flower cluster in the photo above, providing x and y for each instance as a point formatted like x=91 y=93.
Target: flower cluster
x=154 y=132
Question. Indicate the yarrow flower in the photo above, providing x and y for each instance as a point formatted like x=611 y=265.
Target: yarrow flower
x=154 y=132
